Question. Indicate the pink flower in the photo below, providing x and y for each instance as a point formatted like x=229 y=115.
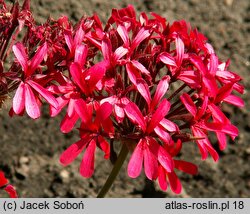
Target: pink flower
x=26 y=96
x=92 y=135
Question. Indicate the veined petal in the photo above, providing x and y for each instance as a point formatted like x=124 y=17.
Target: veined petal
x=213 y=64
x=19 y=51
x=143 y=89
x=163 y=135
x=70 y=154
x=38 y=58
x=69 y=40
x=167 y=59
x=120 y=52
x=190 y=77
x=234 y=100
x=88 y=161
x=122 y=31
x=161 y=90
x=135 y=115
x=189 y=104
x=19 y=99
x=81 y=52
x=44 y=93
x=159 y=114
x=141 y=35
x=133 y=74
x=31 y=105
x=179 y=50
x=78 y=38
x=106 y=49
x=119 y=112
x=136 y=160
x=169 y=125
x=140 y=67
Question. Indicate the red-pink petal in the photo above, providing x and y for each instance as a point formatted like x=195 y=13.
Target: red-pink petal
x=106 y=49
x=31 y=105
x=136 y=160
x=11 y=191
x=19 y=51
x=162 y=179
x=164 y=136
x=44 y=93
x=38 y=58
x=104 y=145
x=135 y=115
x=69 y=40
x=76 y=73
x=68 y=123
x=19 y=99
x=79 y=35
x=70 y=154
x=141 y=35
x=103 y=112
x=3 y=180
x=179 y=50
x=88 y=161
x=140 y=67
x=95 y=74
x=81 y=109
x=174 y=182
x=120 y=52
x=222 y=140
x=150 y=163
x=165 y=159
x=62 y=102
x=119 y=112
x=133 y=73
x=123 y=34
x=159 y=114
x=186 y=167
x=169 y=125
x=167 y=59
x=234 y=100
x=189 y=104
x=161 y=90
x=81 y=53
x=143 y=89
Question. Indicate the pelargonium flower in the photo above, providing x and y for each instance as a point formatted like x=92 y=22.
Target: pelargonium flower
x=142 y=84
x=25 y=98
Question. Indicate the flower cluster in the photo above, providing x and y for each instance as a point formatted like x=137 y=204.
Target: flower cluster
x=142 y=82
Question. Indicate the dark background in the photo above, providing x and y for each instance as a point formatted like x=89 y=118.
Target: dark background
x=29 y=150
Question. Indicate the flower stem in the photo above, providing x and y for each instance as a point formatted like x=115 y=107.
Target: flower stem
x=116 y=168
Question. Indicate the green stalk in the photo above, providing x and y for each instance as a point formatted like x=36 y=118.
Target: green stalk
x=116 y=168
